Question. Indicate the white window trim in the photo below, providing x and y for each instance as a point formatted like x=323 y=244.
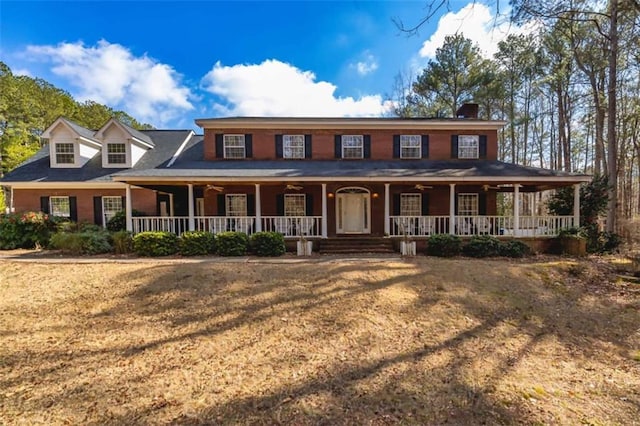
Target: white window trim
x=54 y=158
x=476 y=202
x=287 y=139
x=407 y=138
x=227 y=203
x=342 y=140
x=469 y=138
x=224 y=146
x=59 y=197
x=106 y=219
x=296 y=196
x=411 y=195
x=126 y=155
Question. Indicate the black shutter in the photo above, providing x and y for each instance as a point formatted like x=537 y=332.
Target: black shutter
x=44 y=204
x=280 y=204
x=455 y=210
x=279 y=153
x=222 y=205
x=97 y=211
x=425 y=146
x=309 y=204
x=482 y=204
x=248 y=146
x=425 y=205
x=482 y=148
x=251 y=205
x=73 y=209
x=219 y=145
x=338 y=146
x=396 y=146
x=454 y=146
x=396 y=204
x=367 y=146
x=307 y=146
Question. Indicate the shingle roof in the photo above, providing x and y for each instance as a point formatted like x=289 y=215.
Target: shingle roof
x=82 y=131
x=137 y=134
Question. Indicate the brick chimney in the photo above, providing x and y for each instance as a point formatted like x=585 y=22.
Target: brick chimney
x=468 y=110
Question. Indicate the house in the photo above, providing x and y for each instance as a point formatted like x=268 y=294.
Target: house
x=316 y=177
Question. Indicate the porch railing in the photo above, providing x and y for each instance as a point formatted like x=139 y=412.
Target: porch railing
x=293 y=226
x=174 y=224
x=216 y=224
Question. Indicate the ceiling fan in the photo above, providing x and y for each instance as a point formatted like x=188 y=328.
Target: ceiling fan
x=215 y=188
x=294 y=187
x=488 y=187
x=422 y=187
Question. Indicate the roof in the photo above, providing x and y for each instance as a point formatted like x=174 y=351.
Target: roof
x=137 y=133
x=82 y=131
x=37 y=168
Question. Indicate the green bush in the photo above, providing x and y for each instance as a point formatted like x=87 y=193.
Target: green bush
x=232 y=243
x=26 y=230
x=444 y=245
x=482 y=246
x=197 y=243
x=79 y=243
x=122 y=242
x=155 y=243
x=513 y=248
x=268 y=244
x=119 y=221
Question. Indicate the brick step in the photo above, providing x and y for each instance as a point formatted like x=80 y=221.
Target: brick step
x=356 y=245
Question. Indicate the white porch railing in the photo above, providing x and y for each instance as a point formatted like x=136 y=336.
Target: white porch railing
x=174 y=224
x=293 y=226
x=216 y=224
x=529 y=226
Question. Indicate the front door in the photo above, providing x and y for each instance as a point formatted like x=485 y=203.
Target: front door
x=352 y=212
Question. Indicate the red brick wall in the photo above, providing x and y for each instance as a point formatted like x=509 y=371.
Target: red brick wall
x=323 y=142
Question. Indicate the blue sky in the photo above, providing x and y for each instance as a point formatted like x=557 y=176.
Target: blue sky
x=167 y=62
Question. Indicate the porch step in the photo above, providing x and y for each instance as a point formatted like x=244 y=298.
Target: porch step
x=346 y=245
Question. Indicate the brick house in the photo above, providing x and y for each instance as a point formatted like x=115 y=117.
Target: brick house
x=317 y=177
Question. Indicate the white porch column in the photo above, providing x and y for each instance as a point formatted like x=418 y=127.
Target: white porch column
x=192 y=223
x=387 y=226
x=127 y=208
x=516 y=209
x=452 y=208
x=171 y=205
x=324 y=211
x=258 y=209
x=534 y=212
x=576 y=205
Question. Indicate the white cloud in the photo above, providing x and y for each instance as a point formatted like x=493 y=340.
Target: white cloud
x=275 y=88
x=366 y=66
x=21 y=71
x=111 y=74
x=476 y=22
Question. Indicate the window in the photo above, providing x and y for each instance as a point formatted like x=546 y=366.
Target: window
x=116 y=153
x=59 y=206
x=236 y=204
x=293 y=146
x=410 y=146
x=294 y=205
x=234 y=146
x=467 y=204
x=352 y=146
x=410 y=204
x=111 y=206
x=65 y=153
x=468 y=146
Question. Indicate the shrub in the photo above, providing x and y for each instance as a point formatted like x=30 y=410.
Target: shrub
x=197 y=243
x=119 y=221
x=268 y=244
x=26 y=230
x=482 y=246
x=232 y=243
x=155 y=243
x=122 y=242
x=86 y=242
x=513 y=248
x=444 y=245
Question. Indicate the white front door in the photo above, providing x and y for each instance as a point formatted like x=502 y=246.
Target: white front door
x=352 y=213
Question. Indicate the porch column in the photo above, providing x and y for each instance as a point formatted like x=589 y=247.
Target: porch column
x=516 y=209
x=127 y=207
x=534 y=212
x=576 y=205
x=387 y=227
x=324 y=210
x=258 y=209
x=192 y=223
x=171 y=210
x=452 y=208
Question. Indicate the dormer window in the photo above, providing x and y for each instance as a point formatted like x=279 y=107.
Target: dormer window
x=234 y=146
x=65 y=153
x=117 y=153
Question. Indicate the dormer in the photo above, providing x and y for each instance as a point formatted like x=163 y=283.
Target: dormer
x=70 y=145
x=122 y=146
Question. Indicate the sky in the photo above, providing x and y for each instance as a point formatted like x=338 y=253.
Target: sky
x=167 y=62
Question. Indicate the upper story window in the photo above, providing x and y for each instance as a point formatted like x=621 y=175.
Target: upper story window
x=468 y=146
x=60 y=206
x=293 y=146
x=467 y=204
x=236 y=204
x=294 y=205
x=234 y=146
x=116 y=153
x=410 y=146
x=410 y=204
x=65 y=153
x=352 y=146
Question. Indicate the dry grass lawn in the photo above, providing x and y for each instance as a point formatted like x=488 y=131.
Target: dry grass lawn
x=373 y=341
